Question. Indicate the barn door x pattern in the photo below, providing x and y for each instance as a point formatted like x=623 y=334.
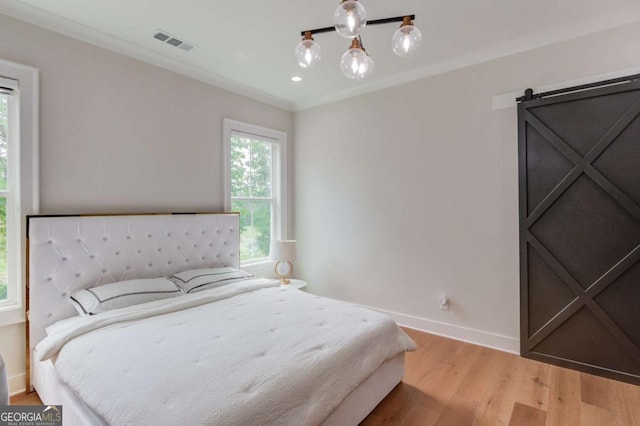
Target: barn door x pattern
x=580 y=230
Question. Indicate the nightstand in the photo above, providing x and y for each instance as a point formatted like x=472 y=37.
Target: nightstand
x=297 y=284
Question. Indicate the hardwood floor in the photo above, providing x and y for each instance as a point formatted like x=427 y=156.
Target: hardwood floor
x=456 y=384
x=26 y=399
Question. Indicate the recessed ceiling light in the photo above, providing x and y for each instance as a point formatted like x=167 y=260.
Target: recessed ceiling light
x=296 y=79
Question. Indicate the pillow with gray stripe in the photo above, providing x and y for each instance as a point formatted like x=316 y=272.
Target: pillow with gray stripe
x=121 y=294
x=203 y=279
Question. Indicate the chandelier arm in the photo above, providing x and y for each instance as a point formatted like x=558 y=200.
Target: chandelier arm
x=374 y=22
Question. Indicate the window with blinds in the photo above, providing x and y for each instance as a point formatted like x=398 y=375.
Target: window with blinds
x=7 y=134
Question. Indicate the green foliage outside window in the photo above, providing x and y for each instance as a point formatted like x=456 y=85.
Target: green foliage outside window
x=3 y=205
x=251 y=192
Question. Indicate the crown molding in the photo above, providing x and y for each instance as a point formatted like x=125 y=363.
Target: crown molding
x=50 y=21
x=508 y=100
x=583 y=28
x=70 y=28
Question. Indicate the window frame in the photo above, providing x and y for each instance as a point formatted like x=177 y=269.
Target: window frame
x=10 y=194
x=279 y=174
x=23 y=189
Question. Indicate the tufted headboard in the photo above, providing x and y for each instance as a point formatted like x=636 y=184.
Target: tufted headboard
x=67 y=253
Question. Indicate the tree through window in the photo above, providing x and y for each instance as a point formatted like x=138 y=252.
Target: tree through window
x=4 y=135
x=252 y=194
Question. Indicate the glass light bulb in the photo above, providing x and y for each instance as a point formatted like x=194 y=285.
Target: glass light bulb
x=356 y=64
x=350 y=18
x=406 y=40
x=307 y=53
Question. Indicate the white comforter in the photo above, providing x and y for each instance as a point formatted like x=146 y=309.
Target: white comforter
x=246 y=354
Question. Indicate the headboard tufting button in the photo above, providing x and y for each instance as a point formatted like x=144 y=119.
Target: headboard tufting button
x=79 y=240
x=117 y=253
x=104 y=271
x=64 y=259
x=128 y=237
x=149 y=236
x=104 y=238
x=50 y=242
x=77 y=275
x=92 y=256
x=128 y=268
x=150 y=265
x=159 y=249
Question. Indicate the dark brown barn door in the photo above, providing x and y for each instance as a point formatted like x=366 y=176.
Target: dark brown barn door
x=579 y=159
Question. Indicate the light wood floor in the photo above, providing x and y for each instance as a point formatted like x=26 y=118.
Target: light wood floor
x=456 y=384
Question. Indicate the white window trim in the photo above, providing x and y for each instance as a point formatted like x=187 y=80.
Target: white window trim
x=27 y=183
x=279 y=230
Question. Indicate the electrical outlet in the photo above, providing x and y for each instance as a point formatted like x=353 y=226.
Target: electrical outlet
x=444 y=303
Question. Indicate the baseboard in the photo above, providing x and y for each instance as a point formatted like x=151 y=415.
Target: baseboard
x=464 y=334
x=16 y=384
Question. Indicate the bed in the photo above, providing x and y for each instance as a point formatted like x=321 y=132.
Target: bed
x=247 y=352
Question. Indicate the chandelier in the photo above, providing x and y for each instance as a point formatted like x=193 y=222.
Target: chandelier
x=349 y=21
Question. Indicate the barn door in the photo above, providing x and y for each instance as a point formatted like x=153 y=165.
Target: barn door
x=579 y=170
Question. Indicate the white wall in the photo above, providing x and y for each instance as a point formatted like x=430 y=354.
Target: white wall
x=410 y=193
x=119 y=135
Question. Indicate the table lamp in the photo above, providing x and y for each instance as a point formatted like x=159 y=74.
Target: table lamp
x=283 y=252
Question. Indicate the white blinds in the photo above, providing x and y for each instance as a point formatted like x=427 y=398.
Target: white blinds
x=8 y=86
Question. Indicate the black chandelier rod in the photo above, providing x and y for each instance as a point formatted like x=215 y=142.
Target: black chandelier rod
x=374 y=22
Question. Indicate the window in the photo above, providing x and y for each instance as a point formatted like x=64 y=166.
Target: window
x=254 y=176
x=18 y=181
x=7 y=134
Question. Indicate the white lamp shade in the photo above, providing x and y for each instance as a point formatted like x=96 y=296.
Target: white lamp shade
x=282 y=250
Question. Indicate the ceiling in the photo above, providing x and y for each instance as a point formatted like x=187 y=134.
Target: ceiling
x=247 y=46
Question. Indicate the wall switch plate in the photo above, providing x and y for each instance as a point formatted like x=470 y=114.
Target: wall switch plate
x=444 y=303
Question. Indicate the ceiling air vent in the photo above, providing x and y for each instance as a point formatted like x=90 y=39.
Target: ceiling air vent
x=174 y=41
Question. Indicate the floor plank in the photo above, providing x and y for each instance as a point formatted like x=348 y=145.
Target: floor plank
x=525 y=415
x=457 y=383
x=493 y=409
x=534 y=386
x=565 y=404
x=25 y=399
x=593 y=415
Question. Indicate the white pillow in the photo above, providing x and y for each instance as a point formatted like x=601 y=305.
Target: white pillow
x=122 y=294
x=202 y=279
